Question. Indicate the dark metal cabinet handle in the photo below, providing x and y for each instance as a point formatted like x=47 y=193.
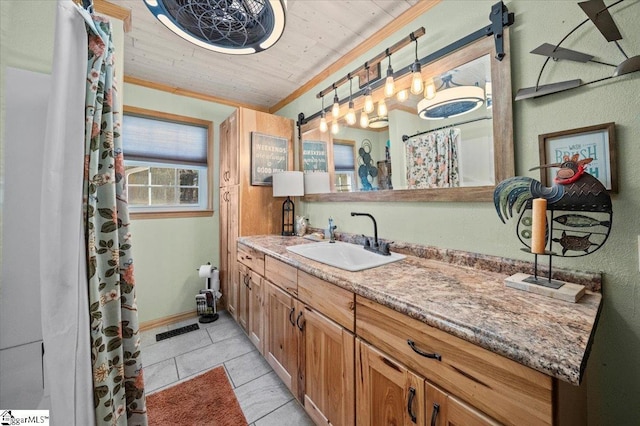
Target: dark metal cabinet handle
x=412 y=395
x=291 y=316
x=434 y=355
x=300 y=327
x=434 y=415
x=245 y=280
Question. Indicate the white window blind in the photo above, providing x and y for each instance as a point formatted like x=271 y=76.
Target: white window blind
x=343 y=158
x=152 y=140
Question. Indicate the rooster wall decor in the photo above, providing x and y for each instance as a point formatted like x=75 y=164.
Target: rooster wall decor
x=579 y=205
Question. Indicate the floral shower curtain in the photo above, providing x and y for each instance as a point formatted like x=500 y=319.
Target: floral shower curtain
x=118 y=387
x=432 y=159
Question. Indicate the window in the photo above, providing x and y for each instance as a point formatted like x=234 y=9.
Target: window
x=167 y=164
x=344 y=164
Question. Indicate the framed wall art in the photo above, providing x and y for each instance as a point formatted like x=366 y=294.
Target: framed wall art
x=597 y=142
x=269 y=155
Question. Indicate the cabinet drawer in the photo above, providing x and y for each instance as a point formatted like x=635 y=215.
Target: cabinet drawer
x=329 y=299
x=252 y=258
x=500 y=387
x=283 y=275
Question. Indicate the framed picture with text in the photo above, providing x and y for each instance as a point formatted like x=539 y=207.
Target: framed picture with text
x=596 y=142
x=269 y=155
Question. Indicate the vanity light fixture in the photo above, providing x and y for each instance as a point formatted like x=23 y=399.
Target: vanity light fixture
x=232 y=27
x=368 y=99
x=451 y=100
x=350 y=118
x=335 y=110
x=389 y=84
x=323 y=119
x=335 y=128
x=416 y=73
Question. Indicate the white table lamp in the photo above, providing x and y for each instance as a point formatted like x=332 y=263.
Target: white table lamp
x=288 y=184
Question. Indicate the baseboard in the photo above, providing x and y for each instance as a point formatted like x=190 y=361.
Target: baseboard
x=148 y=325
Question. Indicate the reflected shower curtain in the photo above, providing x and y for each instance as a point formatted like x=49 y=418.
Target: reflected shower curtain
x=118 y=388
x=432 y=159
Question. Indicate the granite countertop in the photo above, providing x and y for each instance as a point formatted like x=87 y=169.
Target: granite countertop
x=548 y=335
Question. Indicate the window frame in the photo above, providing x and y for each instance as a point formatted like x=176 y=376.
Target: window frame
x=180 y=119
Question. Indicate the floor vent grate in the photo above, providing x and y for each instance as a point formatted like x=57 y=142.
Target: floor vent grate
x=176 y=332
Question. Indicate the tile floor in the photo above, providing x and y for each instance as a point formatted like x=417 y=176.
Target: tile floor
x=264 y=399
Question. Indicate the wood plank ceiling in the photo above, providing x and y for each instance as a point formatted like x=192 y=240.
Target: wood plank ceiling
x=317 y=34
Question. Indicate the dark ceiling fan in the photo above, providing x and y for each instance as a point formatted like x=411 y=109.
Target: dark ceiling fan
x=598 y=13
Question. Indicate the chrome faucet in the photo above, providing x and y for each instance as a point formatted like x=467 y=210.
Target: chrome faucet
x=375 y=247
x=332 y=228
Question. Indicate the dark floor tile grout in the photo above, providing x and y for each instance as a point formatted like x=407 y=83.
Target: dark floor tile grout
x=276 y=409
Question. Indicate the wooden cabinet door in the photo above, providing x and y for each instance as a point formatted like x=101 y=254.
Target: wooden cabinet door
x=281 y=335
x=327 y=366
x=244 y=281
x=446 y=410
x=229 y=151
x=256 y=311
x=229 y=247
x=386 y=392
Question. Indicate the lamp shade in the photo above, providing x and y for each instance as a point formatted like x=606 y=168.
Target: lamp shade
x=317 y=183
x=288 y=184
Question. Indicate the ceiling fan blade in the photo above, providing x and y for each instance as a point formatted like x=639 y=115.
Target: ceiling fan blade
x=547 y=49
x=627 y=66
x=547 y=89
x=601 y=18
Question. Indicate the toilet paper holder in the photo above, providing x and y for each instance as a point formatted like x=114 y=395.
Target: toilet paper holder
x=207 y=298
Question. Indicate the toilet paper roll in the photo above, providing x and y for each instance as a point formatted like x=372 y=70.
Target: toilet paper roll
x=205 y=271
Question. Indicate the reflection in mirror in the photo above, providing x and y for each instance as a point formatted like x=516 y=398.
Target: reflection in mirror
x=452 y=143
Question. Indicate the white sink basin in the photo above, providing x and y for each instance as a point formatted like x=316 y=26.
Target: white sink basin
x=343 y=255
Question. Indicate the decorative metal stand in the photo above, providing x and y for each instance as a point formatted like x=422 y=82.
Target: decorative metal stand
x=579 y=220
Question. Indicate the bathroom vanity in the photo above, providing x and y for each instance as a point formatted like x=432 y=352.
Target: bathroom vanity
x=435 y=338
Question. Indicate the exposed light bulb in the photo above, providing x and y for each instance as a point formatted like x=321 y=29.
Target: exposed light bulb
x=382 y=108
x=335 y=110
x=389 y=86
x=364 y=119
x=323 y=124
x=430 y=90
x=350 y=118
x=416 y=79
x=368 y=103
x=402 y=95
x=335 y=128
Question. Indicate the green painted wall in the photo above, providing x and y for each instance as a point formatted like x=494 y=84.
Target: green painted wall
x=613 y=373
x=167 y=252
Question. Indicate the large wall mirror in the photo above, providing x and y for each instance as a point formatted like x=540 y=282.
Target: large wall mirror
x=459 y=152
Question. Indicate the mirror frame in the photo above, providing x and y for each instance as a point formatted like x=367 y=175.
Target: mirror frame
x=504 y=166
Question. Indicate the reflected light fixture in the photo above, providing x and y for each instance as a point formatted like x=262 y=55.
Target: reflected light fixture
x=382 y=108
x=402 y=95
x=378 y=122
x=335 y=110
x=364 y=119
x=416 y=76
x=335 y=128
x=350 y=118
x=323 y=119
x=389 y=84
x=231 y=27
x=451 y=100
x=430 y=89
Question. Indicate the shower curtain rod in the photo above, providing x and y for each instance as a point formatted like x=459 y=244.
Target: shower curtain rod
x=406 y=138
